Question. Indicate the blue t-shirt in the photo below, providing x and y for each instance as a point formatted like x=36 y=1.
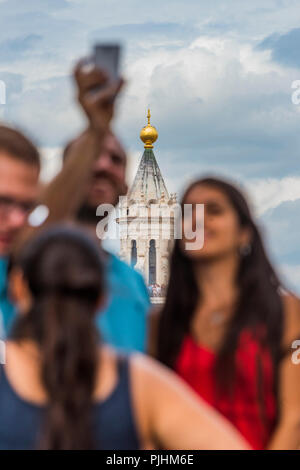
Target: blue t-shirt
x=122 y=322
x=7 y=310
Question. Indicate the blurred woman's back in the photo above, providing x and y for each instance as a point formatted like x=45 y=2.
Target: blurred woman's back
x=64 y=275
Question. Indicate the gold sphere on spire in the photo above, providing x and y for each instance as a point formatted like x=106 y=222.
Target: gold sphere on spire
x=148 y=134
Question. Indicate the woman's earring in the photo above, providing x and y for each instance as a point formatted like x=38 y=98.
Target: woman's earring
x=245 y=250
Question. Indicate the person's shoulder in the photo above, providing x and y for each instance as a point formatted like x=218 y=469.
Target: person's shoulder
x=291 y=312
x=291 y=306
x=151 y=376
x=128 y=274
x=147 y=368
x=120 y=265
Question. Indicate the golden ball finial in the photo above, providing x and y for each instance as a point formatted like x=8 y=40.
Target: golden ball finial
x=148 y=134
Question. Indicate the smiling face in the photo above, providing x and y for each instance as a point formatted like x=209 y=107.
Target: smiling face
x=18 y=192
x=223 y=233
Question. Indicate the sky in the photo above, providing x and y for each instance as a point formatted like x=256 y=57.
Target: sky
x=217 y=76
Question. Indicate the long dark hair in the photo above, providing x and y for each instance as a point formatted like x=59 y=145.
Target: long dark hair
x=63 y=269
x=259 y=301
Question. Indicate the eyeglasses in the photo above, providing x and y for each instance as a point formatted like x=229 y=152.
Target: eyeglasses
x=8 y=204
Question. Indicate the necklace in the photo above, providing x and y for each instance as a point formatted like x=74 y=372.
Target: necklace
x=217 y=318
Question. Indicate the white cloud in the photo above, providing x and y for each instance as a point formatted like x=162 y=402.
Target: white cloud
x=268 y=193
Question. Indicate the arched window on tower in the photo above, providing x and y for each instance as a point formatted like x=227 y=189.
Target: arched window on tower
x=133 y=253
x=152 y=262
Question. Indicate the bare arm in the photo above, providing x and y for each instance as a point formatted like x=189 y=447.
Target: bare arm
x=170 y=413
x=287 y=433
x=65 y=192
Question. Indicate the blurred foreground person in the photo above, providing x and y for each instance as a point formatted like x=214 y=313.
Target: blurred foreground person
x=60 y=390
x=94 y=173
x=231 y=323
x=19 y=173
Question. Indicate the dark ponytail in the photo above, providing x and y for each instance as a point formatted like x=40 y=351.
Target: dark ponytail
x=64 y=273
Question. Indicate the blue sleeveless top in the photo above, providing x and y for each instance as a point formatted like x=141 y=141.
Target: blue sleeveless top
x=114 y=426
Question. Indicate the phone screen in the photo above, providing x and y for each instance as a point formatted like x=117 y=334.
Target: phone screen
x=107 y=57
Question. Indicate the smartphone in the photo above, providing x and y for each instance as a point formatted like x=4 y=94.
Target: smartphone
x=107 y=57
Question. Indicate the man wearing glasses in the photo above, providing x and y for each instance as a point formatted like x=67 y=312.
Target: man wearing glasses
x=19 y=174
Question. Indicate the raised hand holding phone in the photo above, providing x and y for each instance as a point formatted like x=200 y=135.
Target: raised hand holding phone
x=98 y=85
x=61 y=198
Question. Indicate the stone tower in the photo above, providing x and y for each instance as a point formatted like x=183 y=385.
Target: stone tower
x=147 y=220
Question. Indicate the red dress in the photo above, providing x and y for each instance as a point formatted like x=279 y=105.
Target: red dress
x=195 y=364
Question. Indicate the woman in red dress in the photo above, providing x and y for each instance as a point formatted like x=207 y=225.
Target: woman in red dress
x=227 y=326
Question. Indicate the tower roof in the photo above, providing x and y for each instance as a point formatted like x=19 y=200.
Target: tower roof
x=148 y=182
